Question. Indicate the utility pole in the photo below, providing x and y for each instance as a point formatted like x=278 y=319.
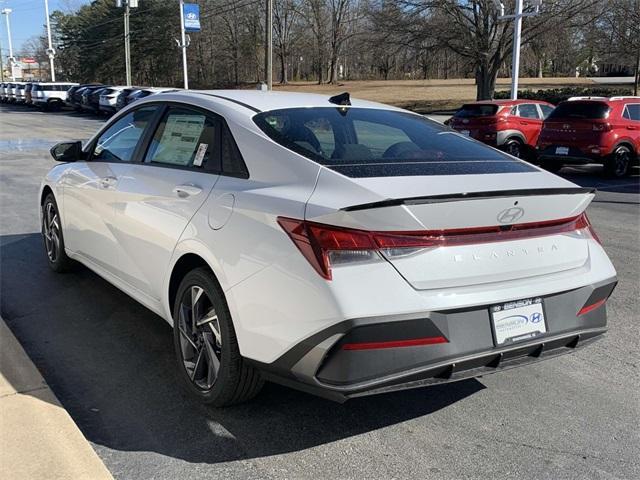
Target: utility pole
x=127 y=4
x=127 y=43
x=517 y=38
x=6 y=12
x=183 y=46
x=268 y=47
x=50 y=51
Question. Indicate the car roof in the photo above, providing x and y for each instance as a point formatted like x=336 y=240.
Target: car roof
x=507 y=102
x=258 y=100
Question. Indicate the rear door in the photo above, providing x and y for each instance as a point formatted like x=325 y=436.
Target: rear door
x=160 y=195
x=529 y=121
x=90 y=189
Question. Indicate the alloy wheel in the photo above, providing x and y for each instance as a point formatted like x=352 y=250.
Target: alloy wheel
x=621 y=160
x=200 y=338
x=51 y=227
x=514 y=149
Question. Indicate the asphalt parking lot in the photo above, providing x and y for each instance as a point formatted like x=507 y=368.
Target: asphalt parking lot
x=110 y=362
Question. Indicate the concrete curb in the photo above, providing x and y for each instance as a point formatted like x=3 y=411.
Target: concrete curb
x=38 y=438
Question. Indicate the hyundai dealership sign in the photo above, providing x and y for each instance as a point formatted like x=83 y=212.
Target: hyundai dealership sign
x=191 y=17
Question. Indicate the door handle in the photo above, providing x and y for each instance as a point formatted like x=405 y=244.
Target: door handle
x=187 y=190
x=109 y=181
x=631 y=127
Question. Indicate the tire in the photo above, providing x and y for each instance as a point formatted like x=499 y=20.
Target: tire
x=209 y=361
x=618 y=164
x=552 y=166
x=53 y=236
x=514 y=147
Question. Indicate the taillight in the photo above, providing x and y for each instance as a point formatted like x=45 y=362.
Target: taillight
x=601 y=127
x=326 y=245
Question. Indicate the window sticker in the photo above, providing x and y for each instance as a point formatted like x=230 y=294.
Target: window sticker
x=202 y=150
x=179 y=139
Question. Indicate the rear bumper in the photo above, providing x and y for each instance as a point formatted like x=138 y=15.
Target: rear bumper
x=576 y=156
x=321 y=365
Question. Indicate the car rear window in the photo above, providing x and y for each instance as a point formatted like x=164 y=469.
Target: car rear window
x=581 y=110
x=363 y=142
x=477 y=110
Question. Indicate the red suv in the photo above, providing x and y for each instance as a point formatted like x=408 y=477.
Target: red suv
x=511 y=125
x=592 y=130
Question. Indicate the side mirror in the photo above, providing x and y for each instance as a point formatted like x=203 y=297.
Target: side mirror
x=67 y=152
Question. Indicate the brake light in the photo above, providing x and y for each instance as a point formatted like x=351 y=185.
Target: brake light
x=326 y=245
x=601 y=127
x=413 y=342
x=593 y=306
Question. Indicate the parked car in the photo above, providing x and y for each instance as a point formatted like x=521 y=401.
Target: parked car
x=3 y=92
x=74 y=95
x=91 y=98
x=121 y=100
x=49 y=95
x=19 y=92
x=342 y=247
x=108 y=98
x=145 y=92
x=592 y=130
x=511 y=125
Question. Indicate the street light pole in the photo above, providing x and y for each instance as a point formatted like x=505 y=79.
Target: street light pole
x=183 y=46
x=515 y=62
x=517 y=38
x=6 y=13
x=268 y=51
x=50 y=51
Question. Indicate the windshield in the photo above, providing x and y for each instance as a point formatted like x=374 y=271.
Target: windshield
x=476 y=110
x=363 y=142
x=580 y=110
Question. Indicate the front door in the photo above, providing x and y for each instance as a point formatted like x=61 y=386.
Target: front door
x=90 y=190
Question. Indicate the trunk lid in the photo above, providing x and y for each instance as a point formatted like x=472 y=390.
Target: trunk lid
x=459 y=203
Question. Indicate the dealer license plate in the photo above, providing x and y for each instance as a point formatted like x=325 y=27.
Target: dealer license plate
x=518 y=321
x=562 y=150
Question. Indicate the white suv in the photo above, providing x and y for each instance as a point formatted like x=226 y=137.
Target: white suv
x=108 y=99
x=50 y=95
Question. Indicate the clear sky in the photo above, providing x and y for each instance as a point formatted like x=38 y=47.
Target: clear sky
x=27 y=20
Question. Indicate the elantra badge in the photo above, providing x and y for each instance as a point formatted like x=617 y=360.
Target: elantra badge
x=510 y=215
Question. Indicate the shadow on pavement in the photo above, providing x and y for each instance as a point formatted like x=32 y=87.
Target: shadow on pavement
x=110 y=362
x=592 y=176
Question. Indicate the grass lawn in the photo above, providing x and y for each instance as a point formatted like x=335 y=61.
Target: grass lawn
x=426 y=95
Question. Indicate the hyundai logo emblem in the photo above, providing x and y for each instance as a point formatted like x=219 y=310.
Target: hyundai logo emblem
x=510 y=215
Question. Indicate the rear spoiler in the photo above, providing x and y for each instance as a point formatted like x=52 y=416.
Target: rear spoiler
x=456 y=197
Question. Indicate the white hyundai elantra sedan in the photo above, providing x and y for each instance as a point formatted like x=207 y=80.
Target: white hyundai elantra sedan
x=345 y=248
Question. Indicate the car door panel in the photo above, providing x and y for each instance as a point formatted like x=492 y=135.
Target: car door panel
x=90 y=189
x=158 y=197
x=88 y=212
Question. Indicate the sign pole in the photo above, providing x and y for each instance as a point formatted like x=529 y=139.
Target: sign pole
x=50 y=51
x=183 y=45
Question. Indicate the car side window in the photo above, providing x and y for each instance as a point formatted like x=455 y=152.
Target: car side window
x=119 y=142
x=546 y=110
x=528 y=110
x=185 y=138
x=632 y=111
x=232 y=162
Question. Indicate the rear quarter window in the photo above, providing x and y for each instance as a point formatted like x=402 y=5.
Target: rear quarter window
x=362 y=142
